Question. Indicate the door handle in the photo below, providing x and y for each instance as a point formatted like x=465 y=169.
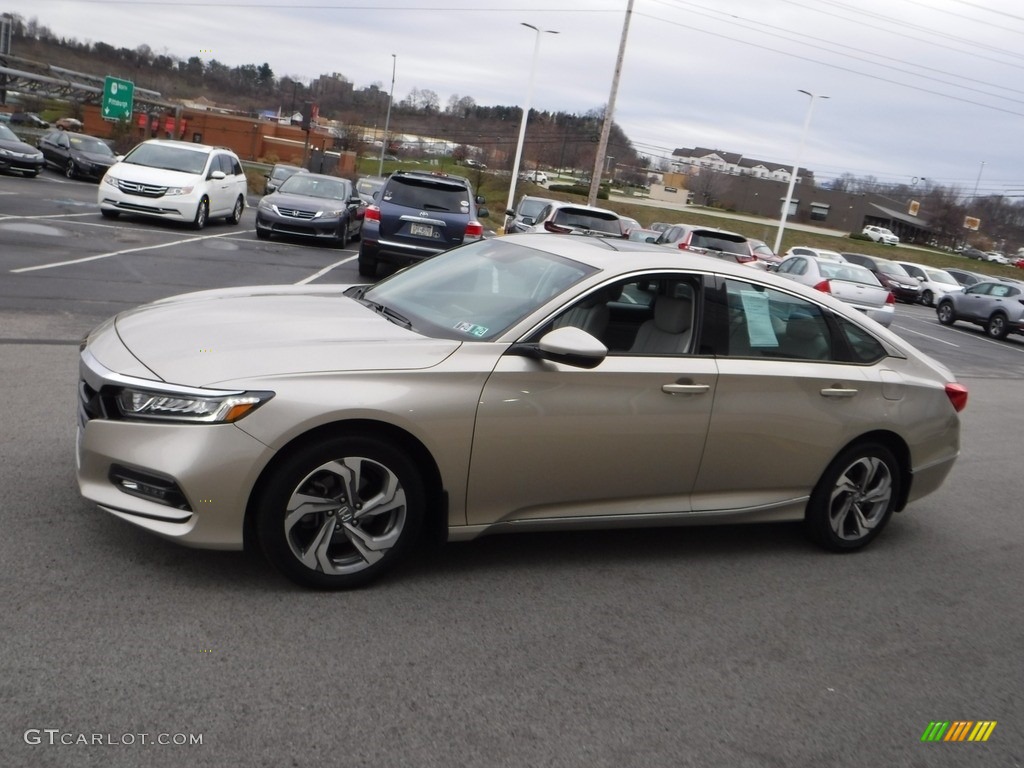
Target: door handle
x=685 y=389
x=838 y=391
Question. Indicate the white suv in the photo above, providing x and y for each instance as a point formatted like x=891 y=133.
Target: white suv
x=175 y=180
x=880 y=235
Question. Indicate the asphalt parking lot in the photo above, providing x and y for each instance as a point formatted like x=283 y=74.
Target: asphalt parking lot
x=732 y=646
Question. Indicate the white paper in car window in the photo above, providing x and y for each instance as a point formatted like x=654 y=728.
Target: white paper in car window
x=760 y=331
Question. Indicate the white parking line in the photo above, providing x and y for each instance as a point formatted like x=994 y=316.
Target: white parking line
x=325 y=270
x=47 y=216
x=927 y=336
x=119 y=253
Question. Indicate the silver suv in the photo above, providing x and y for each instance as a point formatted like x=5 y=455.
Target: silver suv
x=175 y=180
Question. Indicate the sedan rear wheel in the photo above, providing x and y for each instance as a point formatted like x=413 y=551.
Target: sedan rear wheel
x=854 y=498
x=338 y=513
x=946 y=314
x=69 y=170
x=997 y=327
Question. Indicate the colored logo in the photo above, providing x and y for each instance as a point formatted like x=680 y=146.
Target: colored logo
x=958 y=730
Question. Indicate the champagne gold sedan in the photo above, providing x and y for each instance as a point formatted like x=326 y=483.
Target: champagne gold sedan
x=528 y=382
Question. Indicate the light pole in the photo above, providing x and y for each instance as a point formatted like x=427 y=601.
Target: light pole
x=978 y=181
x=387 y=120
x=526 y=111
x=792 y=178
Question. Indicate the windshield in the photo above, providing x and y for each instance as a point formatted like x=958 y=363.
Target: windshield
x=892 y=268
x=168 y=158
x=314 y=186
x=939 y=276
x=477 y=291
x=7 y=134
x=851 y=273
x=91 y=145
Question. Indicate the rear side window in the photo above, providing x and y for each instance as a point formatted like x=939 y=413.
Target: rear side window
x=427 y=194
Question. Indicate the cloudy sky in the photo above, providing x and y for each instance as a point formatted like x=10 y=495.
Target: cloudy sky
x=925 y=89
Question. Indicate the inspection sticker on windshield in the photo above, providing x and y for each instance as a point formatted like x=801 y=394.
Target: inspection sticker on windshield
x=472 y=328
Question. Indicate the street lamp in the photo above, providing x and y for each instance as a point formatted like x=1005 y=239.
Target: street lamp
x=796 y=166
x=387 y=120
x=526 y=110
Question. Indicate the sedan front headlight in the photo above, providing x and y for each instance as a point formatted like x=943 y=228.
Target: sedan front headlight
x=182 y=405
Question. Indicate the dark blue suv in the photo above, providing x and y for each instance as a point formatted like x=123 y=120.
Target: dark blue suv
x=416 y=215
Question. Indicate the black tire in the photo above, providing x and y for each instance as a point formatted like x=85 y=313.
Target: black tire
x=69 y=170
x=997 y=327
x=342 y=239
x=854 y=498
x=359 y=234
x=928 y=299
x=367 y=265
x=945 y=312
x=330 y=541
x=202 y=214
x=109 y=214
x=31 y=174
x=236 y=213
x=262 y=234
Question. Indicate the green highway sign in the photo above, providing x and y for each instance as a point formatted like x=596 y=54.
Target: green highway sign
x=118 y=97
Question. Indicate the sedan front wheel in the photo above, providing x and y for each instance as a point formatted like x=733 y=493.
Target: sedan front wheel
x=854 y=498
x=338 y=513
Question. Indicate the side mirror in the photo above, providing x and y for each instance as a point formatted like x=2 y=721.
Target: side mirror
x=568 y=346
x=217 y=175
x=510 y=212
x=483 y=213
x=529 y=221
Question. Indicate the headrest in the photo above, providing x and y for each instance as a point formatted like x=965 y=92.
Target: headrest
x=672 y=315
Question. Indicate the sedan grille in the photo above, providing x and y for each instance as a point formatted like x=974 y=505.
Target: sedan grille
x=143 y=190
x=295 y=213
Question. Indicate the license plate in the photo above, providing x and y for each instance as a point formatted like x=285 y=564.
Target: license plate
x=421 y=230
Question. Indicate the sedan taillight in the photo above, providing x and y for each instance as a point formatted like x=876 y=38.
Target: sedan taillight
x=552 y=227
x=891 y=298
x=372 y=213
x=957 y=394
x=824 y=286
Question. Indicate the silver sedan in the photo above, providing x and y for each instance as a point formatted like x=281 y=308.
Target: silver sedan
x=850 y=283
x=529 y=382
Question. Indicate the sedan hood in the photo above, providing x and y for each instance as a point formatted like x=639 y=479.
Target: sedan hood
x=202 y=339
x=304 y=202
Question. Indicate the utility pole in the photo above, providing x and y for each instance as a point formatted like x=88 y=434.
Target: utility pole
x=609 y=114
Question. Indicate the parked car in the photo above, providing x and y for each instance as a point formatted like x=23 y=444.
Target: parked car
x=69 y=124
x=764 y=254
x=29 y=120
x=966 y=277
x=935 y=283
x=880 y=235
x=527 y=209
x=334 y=426
x=312 y=205
x=713 y=242
x=850 y=283
x=642 y=235
x=418 y=215
x=17 y=156
x=996 y=257
x=1019 y=263
x=278 y=174
x=471 y=163
x=177 y=181
x=817 y=253
x=890 y=274
x=368 y=186
x=974 y=253
x=998 y=307
x=76 y=154
x=561 y=218
x=630 y=223
x=538 y=177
